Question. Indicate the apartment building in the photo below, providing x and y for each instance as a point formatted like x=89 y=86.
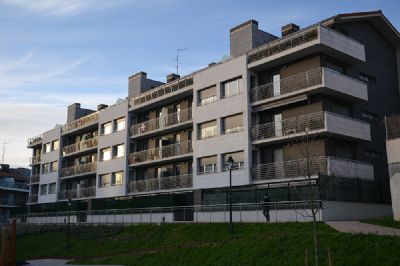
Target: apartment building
x=13 y=190
x=308 y=104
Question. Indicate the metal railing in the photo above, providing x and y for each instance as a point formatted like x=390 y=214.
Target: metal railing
x=13 y=201
x=81 y=122
x=162 y=183
x=80 y=146
x=33 y=198
x=392 y=127
x=280 y=211
x=283 y=44
x=172 y=150
x=35 y=139
x=79 y=169
x=86 y=192
x=291 y=126
x=35 y=178
x=162 y=90
x=35 y=159
x=158 y=123
x=290 y=84
x=16 y=185
x=323 y=165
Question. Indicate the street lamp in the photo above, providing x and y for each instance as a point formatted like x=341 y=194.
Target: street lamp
x=230 y=165
x=69 y=219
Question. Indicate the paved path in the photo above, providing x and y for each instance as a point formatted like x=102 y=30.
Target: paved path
x=356 y=227
x=51 y=262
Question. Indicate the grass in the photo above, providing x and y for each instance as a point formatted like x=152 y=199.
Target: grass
x=206 y=244
x=385 y=221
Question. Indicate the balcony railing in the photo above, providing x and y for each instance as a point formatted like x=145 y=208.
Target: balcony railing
x=34 y=140
x=283 y=44
x=81 y=122
x=87 y=192
x=79 y=169
x=80 y=146
x=35 y=159
x=392 y=127
x=291 y=126
x=159 y=123
x=172 y=150
x=317 y=165
x=35 y=178
x=33 y=198
x=163 y=183
x=162 y=90
x=16 y=185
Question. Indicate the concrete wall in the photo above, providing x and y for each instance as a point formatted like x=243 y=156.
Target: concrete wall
x=342 y=211
x=393 y=153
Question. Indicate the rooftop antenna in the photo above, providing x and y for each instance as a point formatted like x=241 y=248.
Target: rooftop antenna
x=177 y=58
x=4 y=150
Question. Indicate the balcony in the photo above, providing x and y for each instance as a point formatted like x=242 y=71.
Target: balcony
x=162 y=124
x=34 y=141
x=78 y=193
x=159 y=184
x=35 y=178
x=80 y=123
x=310 y=82
x=12 y=202
x=82 y=146
x=13 y=186
x=79 y=169
x=33 y=198
x=306 y=42
x=162 y=92
x=34 y=160
x=297 y=169
x=169 y=151
x=312 y=124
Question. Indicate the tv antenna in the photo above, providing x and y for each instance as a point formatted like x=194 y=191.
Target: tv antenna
x=177 y=58
x=4 y=150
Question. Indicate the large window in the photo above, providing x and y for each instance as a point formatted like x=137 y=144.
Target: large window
x=230 y=88
x=208 y=95
x=120 y=124
x=106 y=128
x=104 y=180
x=47 y=147
x=52 y=188
x=45 y=168
x=54 y=166
x=43 y=189
x=208 y=129
x=117 y=178
x=238 y=157
x=119 y=151
x=56 y=145
x=207 y=165
x=105 y=154
x=232 y=124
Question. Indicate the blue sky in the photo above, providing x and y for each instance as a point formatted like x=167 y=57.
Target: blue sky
x=54 y=52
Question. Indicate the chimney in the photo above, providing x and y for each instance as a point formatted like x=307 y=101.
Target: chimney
x=172 y=77
x=289 y=28
x=5 y=167
x=101 y=106
x=211 y=64
x=75 y=112
x=139 y=83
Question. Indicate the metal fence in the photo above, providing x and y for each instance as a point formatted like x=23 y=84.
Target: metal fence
x=162 y=183
x=283 y=211
x=79 y=169
x=81 y=122
x=80 y=146
x=180 y=148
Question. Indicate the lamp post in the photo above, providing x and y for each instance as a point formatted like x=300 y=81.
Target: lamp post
x=69 y=219
x=230 y=164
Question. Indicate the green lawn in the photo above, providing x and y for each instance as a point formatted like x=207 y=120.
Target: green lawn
x=385 y=221
x=205 y=244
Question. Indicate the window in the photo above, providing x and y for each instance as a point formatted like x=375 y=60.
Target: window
x=106 y=128
x=56 y=145
x=369 y=115
x=231 y=88
x=238 y=157
x=232 y=124
x=373 y=154
x=367 y=78
x=117 y=178
x=119 y=151
x=208 y=165
x=105 y=154
x=104 y=180
x=46 y=168
x=43 y=189
x=120 y=124
x=208 y=129
x=47 y=147
x=208 y=95
x=52 y=188
x=54 y=166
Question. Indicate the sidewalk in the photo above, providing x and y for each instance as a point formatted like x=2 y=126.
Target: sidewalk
x=51 y=262
x=356 y=227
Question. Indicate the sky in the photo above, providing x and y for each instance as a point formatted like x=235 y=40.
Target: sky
x=57 y=52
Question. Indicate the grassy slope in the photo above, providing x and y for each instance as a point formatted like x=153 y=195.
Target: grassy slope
x=385 y=221
x=208 y=244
